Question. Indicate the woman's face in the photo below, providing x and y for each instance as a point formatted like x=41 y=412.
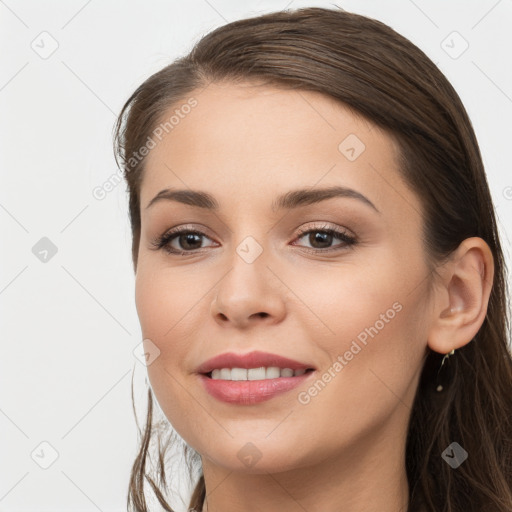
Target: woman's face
x=356 y=312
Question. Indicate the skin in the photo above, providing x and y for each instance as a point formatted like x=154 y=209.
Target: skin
x=345 y=448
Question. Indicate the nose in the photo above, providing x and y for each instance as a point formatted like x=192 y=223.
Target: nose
x=248 y=294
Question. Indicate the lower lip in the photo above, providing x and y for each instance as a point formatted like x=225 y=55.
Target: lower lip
x=248 y=392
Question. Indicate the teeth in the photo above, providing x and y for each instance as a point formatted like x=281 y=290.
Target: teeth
x=256 y=373
x=272 y=372
x=238 y=374
x=225 y=373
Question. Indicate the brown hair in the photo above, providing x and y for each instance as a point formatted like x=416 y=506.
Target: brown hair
x=381 y=75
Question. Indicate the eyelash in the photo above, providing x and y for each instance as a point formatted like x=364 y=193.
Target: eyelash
x=162 y=242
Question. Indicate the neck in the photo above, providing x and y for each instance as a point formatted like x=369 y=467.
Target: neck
x=367 y=476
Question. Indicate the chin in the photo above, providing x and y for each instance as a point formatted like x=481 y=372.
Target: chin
x=253 y=457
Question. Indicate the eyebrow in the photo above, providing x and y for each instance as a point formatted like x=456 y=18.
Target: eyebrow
x=287 y=201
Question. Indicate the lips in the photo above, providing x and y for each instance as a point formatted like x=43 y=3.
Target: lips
x=255 y=359
x=247 y=392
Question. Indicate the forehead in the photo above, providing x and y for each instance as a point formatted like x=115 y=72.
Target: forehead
x=245 y=144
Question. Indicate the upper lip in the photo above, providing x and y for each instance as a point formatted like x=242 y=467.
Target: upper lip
x=255 y=359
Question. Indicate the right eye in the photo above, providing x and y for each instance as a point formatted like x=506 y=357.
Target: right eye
x=187 y=238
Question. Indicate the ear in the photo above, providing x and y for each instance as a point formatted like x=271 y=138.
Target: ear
x=461 y=296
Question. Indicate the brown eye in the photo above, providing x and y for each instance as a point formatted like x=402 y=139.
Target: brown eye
x=188 y=241
x=322 y=238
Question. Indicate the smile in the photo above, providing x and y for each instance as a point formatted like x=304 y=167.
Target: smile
x=252 y=391
x=262 y=373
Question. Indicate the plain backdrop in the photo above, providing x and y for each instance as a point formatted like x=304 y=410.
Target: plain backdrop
x=68 y=320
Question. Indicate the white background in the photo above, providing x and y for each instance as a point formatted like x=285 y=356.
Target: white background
x=69 y=325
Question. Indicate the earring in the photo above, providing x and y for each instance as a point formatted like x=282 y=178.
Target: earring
x=446 y=356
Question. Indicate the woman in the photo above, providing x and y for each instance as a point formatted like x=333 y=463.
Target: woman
x=319 y=277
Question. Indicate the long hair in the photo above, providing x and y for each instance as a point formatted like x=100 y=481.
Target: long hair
x=376 y=72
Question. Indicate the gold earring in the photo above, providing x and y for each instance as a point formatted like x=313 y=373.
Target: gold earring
x=446 y=356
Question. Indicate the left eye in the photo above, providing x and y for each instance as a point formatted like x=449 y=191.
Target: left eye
x=325 y=236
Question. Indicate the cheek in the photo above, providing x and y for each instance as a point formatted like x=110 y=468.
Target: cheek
x=372 y=323
x=157 y=308
x=162 y=300
x=345 y=303
x=144 y=303
x=160 y=305
x=172 y=313
x=372 y=375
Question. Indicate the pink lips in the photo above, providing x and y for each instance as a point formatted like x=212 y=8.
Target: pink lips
x=250 y=391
